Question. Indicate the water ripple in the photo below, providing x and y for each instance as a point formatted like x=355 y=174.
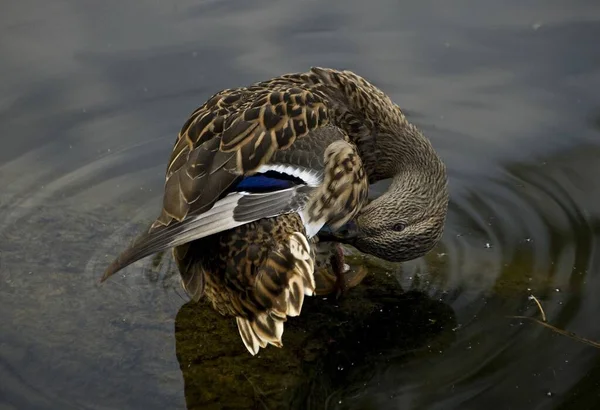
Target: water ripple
x=89 y=107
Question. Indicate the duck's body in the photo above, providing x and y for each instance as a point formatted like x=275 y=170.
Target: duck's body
x=260 y=271
x=256 y=172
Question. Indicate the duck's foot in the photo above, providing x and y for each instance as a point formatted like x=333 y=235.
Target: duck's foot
x=339 y=269
x=332 y=275
x=327 y=282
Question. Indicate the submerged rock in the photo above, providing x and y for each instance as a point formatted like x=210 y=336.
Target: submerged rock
x=335 y=345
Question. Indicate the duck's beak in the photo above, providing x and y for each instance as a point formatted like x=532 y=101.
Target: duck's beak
x=346 y=234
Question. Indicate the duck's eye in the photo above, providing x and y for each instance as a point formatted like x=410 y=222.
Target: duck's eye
x=399 y=227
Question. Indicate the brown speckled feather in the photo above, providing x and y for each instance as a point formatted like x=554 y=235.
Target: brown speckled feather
x=344 y=190
x=232 y=134
x=258 y=273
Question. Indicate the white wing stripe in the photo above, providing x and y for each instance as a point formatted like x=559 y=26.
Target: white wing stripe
x=311 y=177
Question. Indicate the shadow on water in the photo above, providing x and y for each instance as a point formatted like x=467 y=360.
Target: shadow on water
x=91 y=96
x=331 y=352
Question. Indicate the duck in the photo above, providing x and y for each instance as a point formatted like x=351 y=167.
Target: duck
x=257 y=172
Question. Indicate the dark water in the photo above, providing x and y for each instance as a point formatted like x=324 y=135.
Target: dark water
x=93 y=93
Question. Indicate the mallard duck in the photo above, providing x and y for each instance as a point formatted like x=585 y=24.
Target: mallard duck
x=258 y=171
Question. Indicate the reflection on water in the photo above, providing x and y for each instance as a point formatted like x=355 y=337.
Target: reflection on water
x=91 y=97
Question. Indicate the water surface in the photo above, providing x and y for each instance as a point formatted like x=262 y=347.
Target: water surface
x=93 y=93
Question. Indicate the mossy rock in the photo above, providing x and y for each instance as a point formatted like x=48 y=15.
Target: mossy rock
x=334 y=344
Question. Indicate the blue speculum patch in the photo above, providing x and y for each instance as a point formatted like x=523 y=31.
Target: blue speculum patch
x=269 y=181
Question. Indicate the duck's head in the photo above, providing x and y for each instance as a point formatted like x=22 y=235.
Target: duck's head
x=406 y=221
x=394 y=232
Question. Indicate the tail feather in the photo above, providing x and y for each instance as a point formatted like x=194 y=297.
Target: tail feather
x=266 y=327
x=301 y=251
x=249 y=337
x=295 y=296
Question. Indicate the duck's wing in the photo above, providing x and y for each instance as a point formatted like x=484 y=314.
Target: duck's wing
x=233 y=135
x=237 y=208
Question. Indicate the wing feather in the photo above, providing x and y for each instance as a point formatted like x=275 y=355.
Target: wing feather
x=232 y=211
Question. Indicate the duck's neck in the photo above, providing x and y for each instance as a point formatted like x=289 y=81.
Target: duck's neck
x=400 y=151
x=389 y=145
x=416 y=170
x=396 y=149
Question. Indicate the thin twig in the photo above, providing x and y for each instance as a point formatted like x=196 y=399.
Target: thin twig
x=544 y=323
x=540 y=306
x=560 y=331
